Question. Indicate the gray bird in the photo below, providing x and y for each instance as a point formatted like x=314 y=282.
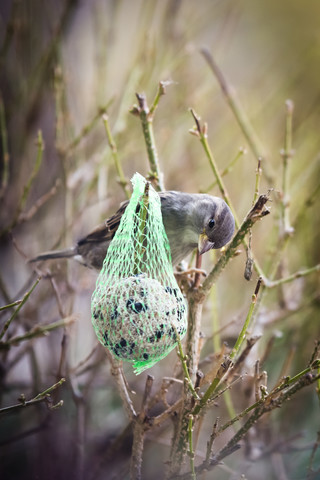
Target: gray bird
x=190 y=220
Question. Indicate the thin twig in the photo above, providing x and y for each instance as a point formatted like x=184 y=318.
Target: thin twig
x=146 y=117
x=80 y=403
x=236 y=349
x=17 y=310
x=5 y=151
x=139 y=426
x=242 y=151
x=238 y=111
x=287 y=154
x=161 y=91
x=87 y=128
x=183 y=359
x=266 y=404
x=202 y=133
x=41 y=397
x=212 y=439
x=222 y=371
x=114 y=151
x=27 y=187
x=190 y=451
x=313 y=453
x=25 y=216
x=117 y=372
x=258 y=180
x=37 y=331
x=263 y=406
x=290 y=278
x=10 y=305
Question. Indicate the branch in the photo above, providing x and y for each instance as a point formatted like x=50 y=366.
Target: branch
x=25 y=216
x=242 y=151
x=242 y=334
x=238 y=111
x=183 y=359
x=139 y=426
x=191 y=451
x=201 y=132
x=17 y=310
x=114 y=151
x=146 y=118
x=117 y=373
x=27 y=187
x=265 y=404
x=37 y=331
x=5 y=151
x=86 y=129
x=41 y=397
x=290 y=278
x=287 y=154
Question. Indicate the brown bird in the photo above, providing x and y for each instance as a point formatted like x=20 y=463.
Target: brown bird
x=190 y=220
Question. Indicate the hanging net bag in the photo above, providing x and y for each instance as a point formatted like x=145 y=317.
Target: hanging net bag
x=137 y=307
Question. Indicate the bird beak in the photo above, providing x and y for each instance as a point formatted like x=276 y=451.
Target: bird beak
x=204 y=244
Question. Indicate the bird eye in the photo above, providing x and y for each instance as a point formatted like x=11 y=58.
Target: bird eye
x=211 y=223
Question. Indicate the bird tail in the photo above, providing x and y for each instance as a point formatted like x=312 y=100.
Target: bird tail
x=67 y=253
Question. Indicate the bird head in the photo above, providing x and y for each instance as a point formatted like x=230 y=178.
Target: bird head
x=217 y=224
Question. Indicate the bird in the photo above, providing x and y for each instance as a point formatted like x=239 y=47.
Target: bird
x=191 y=220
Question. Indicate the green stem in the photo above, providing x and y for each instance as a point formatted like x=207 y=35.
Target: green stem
x=183 y=359
x=191 y=452
x=10 y=305
x=287 y=155
x=161 y=91
x=50 y=389
x=215 y=319
x=37 y=331
x=244 y=329
x=87 y=128
x=17 y=310
x=122 y=180
x=237 y=110
x=261 y=407
x=208 y=394
x=228 y=169
x=257 y=184
x=5 y=151
x=224 y=367
x=26 y=190
x=229 y=404
x=290 y=278
x=37 y=399
x=239 y=416
x=146 y=119
x=201 y=132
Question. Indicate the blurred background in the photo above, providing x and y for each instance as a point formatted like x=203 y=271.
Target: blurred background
x=63 y=64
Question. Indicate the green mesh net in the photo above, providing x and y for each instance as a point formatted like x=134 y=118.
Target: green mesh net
x=137 y=307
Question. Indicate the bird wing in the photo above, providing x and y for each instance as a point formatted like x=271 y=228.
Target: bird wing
x=106 y=230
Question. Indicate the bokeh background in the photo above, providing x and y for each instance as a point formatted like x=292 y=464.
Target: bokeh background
x=64 y=62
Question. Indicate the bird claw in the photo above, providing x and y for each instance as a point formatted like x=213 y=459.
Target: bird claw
x=186 y=278
x=190 y=271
